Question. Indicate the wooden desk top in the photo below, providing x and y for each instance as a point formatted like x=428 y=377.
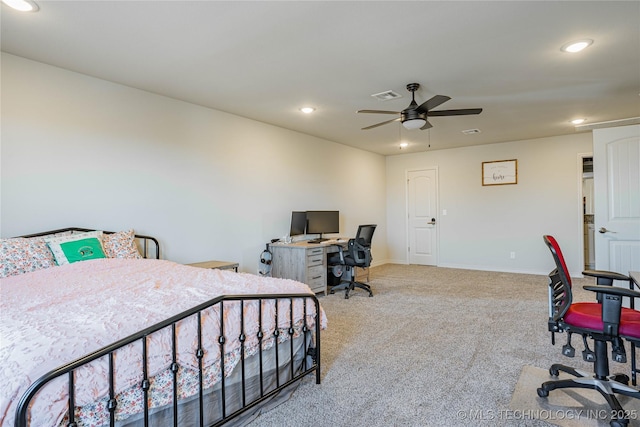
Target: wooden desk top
x=223 y=265
x=305 y=243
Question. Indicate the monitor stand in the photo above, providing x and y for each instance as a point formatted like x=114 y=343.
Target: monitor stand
x=318 y=239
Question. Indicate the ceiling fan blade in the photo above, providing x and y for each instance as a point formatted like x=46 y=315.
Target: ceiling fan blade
x=426 y=125
x=382 y=123
x=378 y=111
x=432 y=103
x=461 y=112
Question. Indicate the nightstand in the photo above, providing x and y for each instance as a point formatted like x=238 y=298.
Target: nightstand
x=222 y=265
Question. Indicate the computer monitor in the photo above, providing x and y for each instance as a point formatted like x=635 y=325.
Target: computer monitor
x=319 y=222
x=298 y=223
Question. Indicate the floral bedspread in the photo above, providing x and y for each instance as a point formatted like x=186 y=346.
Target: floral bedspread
x=51 y=317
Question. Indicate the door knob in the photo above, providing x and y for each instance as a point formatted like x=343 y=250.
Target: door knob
x=603 y=230
x=433 y=221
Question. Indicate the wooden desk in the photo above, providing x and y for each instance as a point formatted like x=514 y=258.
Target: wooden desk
x=304 y=262
x=222 y=265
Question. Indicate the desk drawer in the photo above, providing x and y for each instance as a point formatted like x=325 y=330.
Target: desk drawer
x=315 y=260
x=316 y=278
x=315 y=251
x=315 y=257
x=317 y=284
x=317 y=271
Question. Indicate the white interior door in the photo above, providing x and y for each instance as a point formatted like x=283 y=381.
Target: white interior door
x=422 y=198
x=616 y=173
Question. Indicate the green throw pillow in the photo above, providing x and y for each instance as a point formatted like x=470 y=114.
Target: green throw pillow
x=77 y=250
x=76 y=247
x=82 y=250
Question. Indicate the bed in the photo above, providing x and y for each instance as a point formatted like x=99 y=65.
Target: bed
x=128 y=339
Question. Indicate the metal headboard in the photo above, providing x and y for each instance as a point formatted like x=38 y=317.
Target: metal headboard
x=147 y=243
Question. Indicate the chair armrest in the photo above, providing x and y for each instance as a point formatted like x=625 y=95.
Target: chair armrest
x=611 y=305
x=359 y=253
x=605 y=274
x=340 y=252
x=613 y=290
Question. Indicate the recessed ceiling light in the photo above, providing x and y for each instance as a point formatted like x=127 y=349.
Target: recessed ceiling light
x=576 y=46
x=22 y=5
x=404 y=145
x=307 y=110
x=578 y=121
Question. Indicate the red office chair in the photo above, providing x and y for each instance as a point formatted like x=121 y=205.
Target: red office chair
x=603 y=321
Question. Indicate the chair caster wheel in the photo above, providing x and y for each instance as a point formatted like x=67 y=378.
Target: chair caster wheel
x=346 y=296
x=542 y=392
x=370 y=295
x=621 y=378
x=332 y=292
x=554 y=372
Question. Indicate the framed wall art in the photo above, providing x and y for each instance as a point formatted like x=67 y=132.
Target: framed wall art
x=500 y=172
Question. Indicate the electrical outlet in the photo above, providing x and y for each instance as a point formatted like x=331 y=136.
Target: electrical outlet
x=512 y=255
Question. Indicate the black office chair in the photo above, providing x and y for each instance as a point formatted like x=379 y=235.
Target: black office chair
x=358 y=254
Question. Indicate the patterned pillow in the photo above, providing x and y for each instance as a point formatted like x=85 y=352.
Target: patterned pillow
x=120 y=245
x=19 y=255
x=76 y=247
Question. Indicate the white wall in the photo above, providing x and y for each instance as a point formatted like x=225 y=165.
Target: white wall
x=80 y=151
x=484 y=224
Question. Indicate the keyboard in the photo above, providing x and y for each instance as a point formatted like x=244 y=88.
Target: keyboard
x=317 y=240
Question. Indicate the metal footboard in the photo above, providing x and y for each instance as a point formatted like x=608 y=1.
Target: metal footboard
x=309 y=364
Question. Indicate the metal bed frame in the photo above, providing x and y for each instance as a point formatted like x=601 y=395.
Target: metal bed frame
x=145 y=241
x=309 y=364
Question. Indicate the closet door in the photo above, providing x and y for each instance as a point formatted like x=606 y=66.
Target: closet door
x=422 y=205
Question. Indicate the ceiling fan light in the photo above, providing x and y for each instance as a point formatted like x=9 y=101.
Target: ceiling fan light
x=414 y=123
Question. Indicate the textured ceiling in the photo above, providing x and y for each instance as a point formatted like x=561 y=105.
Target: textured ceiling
x=264 y=60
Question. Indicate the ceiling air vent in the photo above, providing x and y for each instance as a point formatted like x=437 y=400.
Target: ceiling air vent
x=386 y=95
x=471 y=131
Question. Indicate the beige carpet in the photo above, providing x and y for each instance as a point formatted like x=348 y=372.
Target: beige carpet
x=435 y=347
x=564 y=407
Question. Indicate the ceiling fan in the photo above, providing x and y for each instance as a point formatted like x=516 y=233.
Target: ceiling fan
x=415 y=116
